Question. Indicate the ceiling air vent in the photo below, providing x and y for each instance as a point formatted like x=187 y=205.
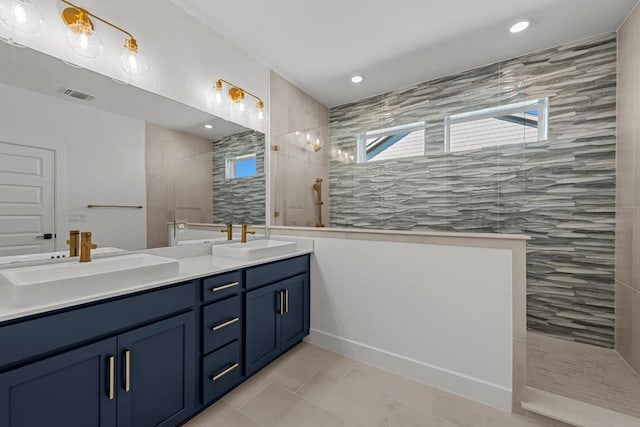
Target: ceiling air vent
x=78 y=95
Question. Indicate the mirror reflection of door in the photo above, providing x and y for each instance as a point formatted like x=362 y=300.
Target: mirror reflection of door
x=26 y=200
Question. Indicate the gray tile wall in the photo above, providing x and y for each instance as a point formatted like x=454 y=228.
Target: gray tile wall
x=238 y=200
x=561 y=192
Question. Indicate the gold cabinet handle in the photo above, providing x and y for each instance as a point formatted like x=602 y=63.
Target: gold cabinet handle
x=281 y=303
x=225 y=372
x=286 y=300
x=127 y=370
x=225 y=324
x=223 y=287
x=112 y=377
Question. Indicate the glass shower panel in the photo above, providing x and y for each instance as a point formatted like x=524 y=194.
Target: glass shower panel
x=301 y=178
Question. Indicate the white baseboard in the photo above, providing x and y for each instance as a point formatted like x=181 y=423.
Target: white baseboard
x=453 y=382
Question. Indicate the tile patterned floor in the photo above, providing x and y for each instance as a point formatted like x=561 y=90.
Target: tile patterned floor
x=312 y=387
x=594 y=375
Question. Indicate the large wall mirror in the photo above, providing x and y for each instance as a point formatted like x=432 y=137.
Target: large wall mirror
x=79 y=150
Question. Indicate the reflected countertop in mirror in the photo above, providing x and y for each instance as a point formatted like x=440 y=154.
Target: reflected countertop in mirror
x=72 y=138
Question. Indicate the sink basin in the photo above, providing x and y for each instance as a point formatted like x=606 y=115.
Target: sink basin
x=255 y=249
x=70 y=280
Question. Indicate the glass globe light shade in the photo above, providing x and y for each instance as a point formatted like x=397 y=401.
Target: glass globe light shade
x=21 y=15
x=84 y=44
x=133 y=63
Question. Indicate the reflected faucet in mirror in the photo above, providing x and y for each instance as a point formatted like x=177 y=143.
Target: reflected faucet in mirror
x=229 y=231
x=73 y=242
x=317 y=187
x=86 y=246
x=245 y=232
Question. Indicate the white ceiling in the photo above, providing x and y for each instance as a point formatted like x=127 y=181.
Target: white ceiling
x=28 y=69
x=319 y=44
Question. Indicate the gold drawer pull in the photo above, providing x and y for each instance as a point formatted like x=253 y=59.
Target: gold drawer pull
x=225 y=372
x=112 y=377
x=223 y=287
x=127 y=370
x=286 y=301
x=225 y=324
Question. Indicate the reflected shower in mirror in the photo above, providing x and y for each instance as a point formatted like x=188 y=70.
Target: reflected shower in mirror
x=80 y=151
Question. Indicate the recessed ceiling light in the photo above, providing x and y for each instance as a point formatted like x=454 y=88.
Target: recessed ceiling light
x=518 y=27
x=209 y=126
x=357 y=79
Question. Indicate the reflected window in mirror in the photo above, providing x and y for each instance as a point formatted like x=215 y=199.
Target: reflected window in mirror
x=241 y=166
x=491 y=127
x=392 y=143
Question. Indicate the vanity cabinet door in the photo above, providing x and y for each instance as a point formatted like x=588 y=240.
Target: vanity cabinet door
x=295 y=324
x=156 y=385
x=263 y=307
x=72 y=389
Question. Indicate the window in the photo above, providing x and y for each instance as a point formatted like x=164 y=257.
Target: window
x=506 y=124
x=240 y=167
x=392 y=143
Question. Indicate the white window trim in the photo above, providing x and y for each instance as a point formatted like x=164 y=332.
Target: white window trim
x=230 y=165
x=362 y=138
x=518 y=107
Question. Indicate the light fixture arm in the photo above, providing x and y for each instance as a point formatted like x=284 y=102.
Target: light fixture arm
x=219 y=84
x=131 y=43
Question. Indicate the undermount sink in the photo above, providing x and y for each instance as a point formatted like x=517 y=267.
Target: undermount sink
x=70 y=280
x=254 y=249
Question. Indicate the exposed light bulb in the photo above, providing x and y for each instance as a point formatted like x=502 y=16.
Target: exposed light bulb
x=84 y=44
x=241 y=106
x=84 y=41
x=132 y=62
x=21 y=15
x=260 y=114
x=218 y=97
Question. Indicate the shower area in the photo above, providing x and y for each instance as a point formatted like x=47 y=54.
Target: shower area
x=524 y=146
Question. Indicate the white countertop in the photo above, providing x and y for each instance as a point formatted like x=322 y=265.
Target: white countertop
x=191 y=267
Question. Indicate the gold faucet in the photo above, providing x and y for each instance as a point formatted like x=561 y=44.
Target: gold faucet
x=245 y=232
x=74 y=236
x=86 y=246
x=229 y=231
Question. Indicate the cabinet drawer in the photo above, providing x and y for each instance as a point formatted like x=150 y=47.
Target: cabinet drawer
x=221 y=286
x=222 y=323
x=269 y=273
x=221 y=371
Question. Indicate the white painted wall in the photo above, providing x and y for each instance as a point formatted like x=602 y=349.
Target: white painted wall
x=439 y=314
x=185 y=57
x=100 y=159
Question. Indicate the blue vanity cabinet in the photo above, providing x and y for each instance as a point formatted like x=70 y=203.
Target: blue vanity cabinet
x=295 y=320
x=156 y=380
x=74 y=389
x=277 y=314
x=130 y=361
x=263 y=317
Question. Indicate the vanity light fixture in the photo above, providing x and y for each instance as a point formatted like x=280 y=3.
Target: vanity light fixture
x=236 y=96
x=21 y=15
x=520 y=26
x=357 y=79
x=85 y=42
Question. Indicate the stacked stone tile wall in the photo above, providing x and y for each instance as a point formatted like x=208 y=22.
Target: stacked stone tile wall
x=239 y=200
x=561 y=191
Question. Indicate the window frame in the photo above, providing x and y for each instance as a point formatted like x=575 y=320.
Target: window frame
x=230 y=166
x=502 y=110
x=361 y=155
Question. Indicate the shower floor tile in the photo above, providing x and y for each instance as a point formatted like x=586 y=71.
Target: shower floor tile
x=591 y=374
